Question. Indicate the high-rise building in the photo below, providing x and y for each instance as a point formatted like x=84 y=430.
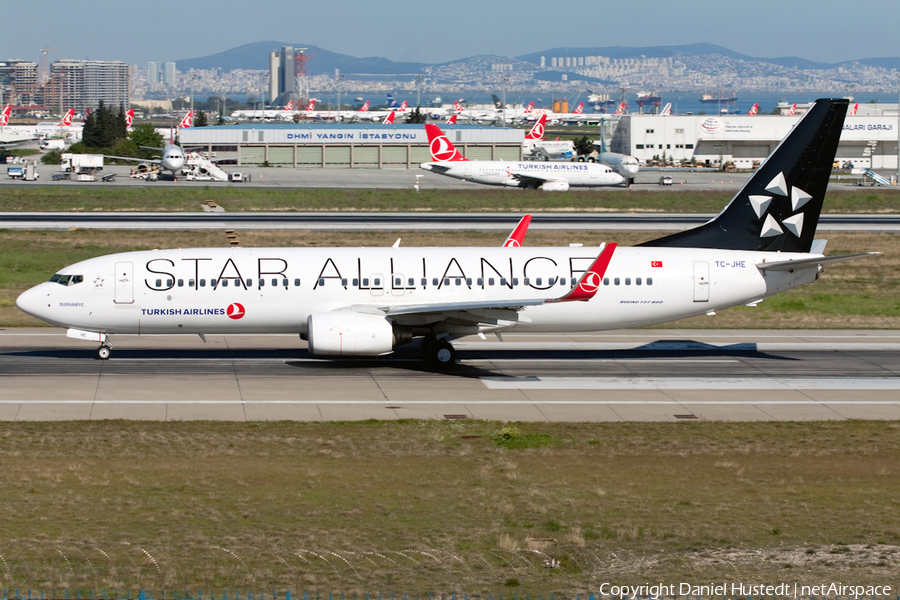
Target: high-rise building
x=18 y=81
x=82 y=84
x=161 y=75
x=281 y=72
x=169 y=75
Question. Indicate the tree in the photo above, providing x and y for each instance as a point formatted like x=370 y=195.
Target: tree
x=145 y=136
x=90 y=134
x=416 y=116
x=53 y=157
x=200 y=119
x=583 y=146
x=121 y=124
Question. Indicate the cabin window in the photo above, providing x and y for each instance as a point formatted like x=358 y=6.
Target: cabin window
x=562 y=281
x=190 y=283
x=224 y=283
x=458 y=281
x=628 y=281
x=248 y=283
x=355 y=282
x=212 y=283
x=158 y=283
x=365 y=282
x=321 y=281
x=411 y=282
x=434 y=281
x=284 y=282
x=649 y=281
x=480 y=282
x=424 y=282
x=274 y=282
x=503 y=281
x=616 y=281
x=537 y=281
x=446 y=281
x=377 y=281
x=637 y=281
x=343 y=282
x=606 y=281
x=490 y=281
x=515 y=281
x=262 y=283
x=181 y=283
x=398 y=282
x=202 y=283
x=468 y=281
x=574 y=281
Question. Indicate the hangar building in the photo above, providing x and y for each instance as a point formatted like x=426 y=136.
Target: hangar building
x=342 y=146
x=867 y=140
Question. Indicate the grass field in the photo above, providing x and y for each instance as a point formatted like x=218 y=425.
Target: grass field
x=446 y=506
x=861 y=294
x=237 y=198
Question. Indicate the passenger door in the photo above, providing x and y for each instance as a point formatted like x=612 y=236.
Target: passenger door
x=124 y=283
x=701 y=281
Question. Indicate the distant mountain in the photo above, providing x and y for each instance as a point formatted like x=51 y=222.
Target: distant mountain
x=255 y=56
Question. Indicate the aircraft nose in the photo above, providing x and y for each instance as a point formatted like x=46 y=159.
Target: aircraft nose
x=31 y=301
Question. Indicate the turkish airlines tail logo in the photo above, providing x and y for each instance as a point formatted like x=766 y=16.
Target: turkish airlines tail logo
x=129 y=117
x=667 y=110
x=67 y=119
x=311 y=106
x=188 y=120
x=457 y=105
x=621 y=109
x=753 y=110
x=451 y=120
x=579 y=109
x=792 y=110
x=290 y=105
x=537 y=132
x=388 y=120
x=530 y=108
x=441 y=148
x=517 y=237
x=403 y=106
x=853 y=110
x=592 y=278
x=4 y=116
x=365 y=107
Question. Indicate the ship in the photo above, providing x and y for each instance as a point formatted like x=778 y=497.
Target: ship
x=711 y=99
x=648 y=98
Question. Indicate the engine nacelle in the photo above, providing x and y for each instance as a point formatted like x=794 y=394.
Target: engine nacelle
x=349 y=333
x=555 y=186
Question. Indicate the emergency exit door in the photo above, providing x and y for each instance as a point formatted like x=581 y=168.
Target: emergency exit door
x=701 y=281
x=124 y=283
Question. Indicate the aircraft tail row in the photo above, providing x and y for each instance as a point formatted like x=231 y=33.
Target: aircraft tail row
x=778 y=208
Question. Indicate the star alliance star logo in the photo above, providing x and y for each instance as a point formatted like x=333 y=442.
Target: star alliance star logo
x=98 y=283
x=760 y=204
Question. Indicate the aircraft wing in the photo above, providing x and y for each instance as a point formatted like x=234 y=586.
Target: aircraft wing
x=535 y=179
x=790 y=265
x=153 y=161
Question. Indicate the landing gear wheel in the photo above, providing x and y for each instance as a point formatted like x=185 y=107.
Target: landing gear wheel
x=443 y=353
x=103 y=352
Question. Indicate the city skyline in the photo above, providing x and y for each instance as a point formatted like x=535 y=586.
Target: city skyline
x=447 y=32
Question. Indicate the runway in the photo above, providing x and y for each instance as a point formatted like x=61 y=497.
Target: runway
x=636 y=375
x=360 y=221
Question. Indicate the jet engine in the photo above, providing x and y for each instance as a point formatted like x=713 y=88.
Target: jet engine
x=555 y=186
x=349 y=333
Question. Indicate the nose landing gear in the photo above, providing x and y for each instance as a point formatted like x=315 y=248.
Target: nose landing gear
x=105 y=349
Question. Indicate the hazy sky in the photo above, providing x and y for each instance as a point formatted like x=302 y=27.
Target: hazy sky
x=426 y=31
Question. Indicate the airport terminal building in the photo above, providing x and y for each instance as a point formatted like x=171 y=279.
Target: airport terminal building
x=867 y=140
x=343 y=146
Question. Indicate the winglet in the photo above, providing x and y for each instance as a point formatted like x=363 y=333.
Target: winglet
x=591 y=279
x=516 y=238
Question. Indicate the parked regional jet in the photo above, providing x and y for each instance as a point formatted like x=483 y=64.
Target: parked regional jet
x=550 y=177
x=366 y=301
x=537 y=148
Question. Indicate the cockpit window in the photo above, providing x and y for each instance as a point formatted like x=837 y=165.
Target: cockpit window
x=66 y=280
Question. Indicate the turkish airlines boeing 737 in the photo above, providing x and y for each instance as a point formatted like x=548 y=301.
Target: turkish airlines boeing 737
x=366 y=301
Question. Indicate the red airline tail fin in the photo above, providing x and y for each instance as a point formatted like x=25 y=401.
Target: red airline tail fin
x=530 y=108
x=591 y=279
x=451 y=120
x=457 y=105
x=188 y=121
x=621 y=109
x=388 y=120
x=792 y=110
x=290 y=105
x=129 y=117
x=67 y=119
x=537 y=132
x=753 y=110
x=853 y=110
x=403 y=106
x=579 y=109
x=4 y=116
x=517 y=237
x=365 y=107
x=311 y=106
x=441 y=148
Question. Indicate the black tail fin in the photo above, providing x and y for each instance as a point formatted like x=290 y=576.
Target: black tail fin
x=778 y=208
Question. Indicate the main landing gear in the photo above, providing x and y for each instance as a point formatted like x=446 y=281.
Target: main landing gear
x=438 y=351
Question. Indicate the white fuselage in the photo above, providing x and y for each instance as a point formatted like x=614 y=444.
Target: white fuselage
x=525 y=173
x=623 y=164
x=172 y=158
x=275 y=290
x=549 y=149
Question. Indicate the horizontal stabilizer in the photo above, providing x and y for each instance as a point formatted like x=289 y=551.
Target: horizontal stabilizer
x=790 y=265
